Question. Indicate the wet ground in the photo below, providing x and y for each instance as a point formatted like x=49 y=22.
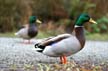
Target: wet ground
x=14 y=52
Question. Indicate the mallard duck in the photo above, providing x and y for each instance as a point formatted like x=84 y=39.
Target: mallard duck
x=66 y=44
x=30 y=30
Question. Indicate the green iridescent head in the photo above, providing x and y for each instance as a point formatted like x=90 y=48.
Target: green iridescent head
x=34 y=19
x=82 y=19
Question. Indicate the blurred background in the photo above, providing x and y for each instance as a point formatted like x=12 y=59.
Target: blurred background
x=55 y=15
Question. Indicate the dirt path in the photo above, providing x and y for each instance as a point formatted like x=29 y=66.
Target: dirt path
x=13 y=51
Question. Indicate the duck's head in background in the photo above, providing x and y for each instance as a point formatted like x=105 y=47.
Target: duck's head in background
x=82 y=19
x=34 y=19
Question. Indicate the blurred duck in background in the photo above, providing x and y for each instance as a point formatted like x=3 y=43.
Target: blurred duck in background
x=30 y=30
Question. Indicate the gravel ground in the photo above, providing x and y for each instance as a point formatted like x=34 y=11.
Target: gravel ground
x=13 y=51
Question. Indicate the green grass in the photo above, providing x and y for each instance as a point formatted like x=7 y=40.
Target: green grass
x=100 y=37
x=96 y=36
x=9 y=34
x=44 y=35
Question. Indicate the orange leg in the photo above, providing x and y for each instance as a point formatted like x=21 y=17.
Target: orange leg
x=26 y=42
x=63 y=59
x=29 y=42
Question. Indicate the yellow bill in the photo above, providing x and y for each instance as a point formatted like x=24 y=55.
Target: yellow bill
x=92 y=21
x=38 y=21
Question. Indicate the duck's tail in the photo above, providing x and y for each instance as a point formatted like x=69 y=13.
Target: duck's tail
x=39 y=48
x=16 y=34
